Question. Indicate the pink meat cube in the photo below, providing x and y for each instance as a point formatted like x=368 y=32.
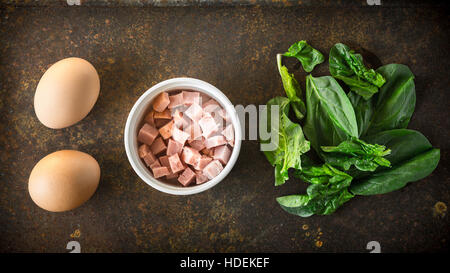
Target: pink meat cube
x=149 y=159
x=179 y=119
x=164 y=159
x=174 y=147
x=186 y=177
x=194 y=130
x=203 y=162
x=190 y=97
x=208 y=126
x=175 y=163
x=160 y=171
x=213 y=169
x=172 y=176
x=215 y=141
x=179 y=135
x=204 y=98
x=211 y=101
x=149 y=118
x=155 y=164
x=158 y=146
x=228 y=132
x=222 y=153
x=212 y=107
x=194 y=112
x=147 y=134
x=161 y=102
x=166 y=130
x=190 y=156
x=159 y=123
x=200 y=178
x=162 y=115
x=197 y=144
x=175 y=100
x=224 y=114
x=207 y=151
x=143 y=150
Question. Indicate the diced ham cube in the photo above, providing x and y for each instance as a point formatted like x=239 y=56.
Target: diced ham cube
x=200 y=178
x=174 y=147
x=164 y=159
x=197 y=144
x=162 y=115
x=179 y=135
x=175 y=163
x=224 y=114
x=165 y=162
x=213 y=169
x=143 y=150
x=160 y=171
x=179 y=119
x=194 y=112
x=194 y=130
x=211 y=101
x=207 y=151
x=203 y=162
x=158 y=146
x=166 y=130
x=175 y=100
x=190 y=97
x=208 y=126
x=203 y=98
x=159 y=123
x=186 y=177
x=215 y=141
x=190 y=156
x=149 y=159
x=155 y=164
x=161 y=102
x=222 y=153
x=149 y=118
x=210 y=108
x=172 y=176
x=147 y=134
x=228 y=132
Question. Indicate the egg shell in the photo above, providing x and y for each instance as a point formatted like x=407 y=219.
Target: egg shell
x=63 y=180
x=66 y=93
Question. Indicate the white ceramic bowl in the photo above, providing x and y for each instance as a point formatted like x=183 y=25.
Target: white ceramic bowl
x=137 y=115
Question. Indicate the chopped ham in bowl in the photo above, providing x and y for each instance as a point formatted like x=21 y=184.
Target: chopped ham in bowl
x=181 y=141
x=186 y=139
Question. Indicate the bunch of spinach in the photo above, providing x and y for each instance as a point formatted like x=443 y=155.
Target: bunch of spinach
x=360 y=136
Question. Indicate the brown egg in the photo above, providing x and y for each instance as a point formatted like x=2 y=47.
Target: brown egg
x=66 y=93
x=63 y=180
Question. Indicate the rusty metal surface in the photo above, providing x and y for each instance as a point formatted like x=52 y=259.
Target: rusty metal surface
x=233 y=49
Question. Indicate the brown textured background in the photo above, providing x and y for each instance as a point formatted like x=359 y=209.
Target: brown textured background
x=233 y=49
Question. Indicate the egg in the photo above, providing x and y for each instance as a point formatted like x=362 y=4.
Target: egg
x=63 y=180
x=66 y=93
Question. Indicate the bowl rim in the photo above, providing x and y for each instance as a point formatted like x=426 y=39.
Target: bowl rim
x=135 y=117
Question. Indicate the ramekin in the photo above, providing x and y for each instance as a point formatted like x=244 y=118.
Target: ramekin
x=136 y=117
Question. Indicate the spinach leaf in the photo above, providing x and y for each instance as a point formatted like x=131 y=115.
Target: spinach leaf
x=348 y=66
x=292 y=89
x=327 y=192
x=403 y=143
x=363 y=111
x=411 y=170
x=308 y=56
x=292 y=143
x=364 y=156
x=396 y=100
x=330 y=116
